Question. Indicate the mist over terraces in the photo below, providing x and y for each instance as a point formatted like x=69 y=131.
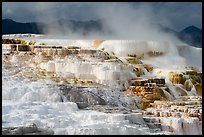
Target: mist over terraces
x=83 y=27
x=190 y=35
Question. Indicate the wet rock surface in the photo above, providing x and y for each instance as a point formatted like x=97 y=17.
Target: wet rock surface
x=177 y=116
x=188 y=78
x=111 y=109
x=184 y=107
x=90 y=97
x=150 y=89
x=81 y=97
x=31 y=129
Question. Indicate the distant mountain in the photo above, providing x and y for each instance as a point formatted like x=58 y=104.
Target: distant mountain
x=10 y=27
x=190 y=35
x=84 y=27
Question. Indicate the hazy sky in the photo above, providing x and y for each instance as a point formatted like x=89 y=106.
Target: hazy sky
x=176 y=15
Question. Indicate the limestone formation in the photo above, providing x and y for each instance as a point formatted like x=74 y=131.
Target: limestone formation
x=154 y=53
x=176 y=78
x=143 y=82
x=184 y=107
x=150 y=89
x=161 y=99
x=187 y=110
x=199 y=89
x=188 y=79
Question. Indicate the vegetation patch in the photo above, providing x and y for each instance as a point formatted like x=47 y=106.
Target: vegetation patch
x=112 y=57
x=10 y=41
x=23 y=42
x=73 y=47
x=191 y=72
x=133 y=61
x=113 y=53
x=31 y=43
x=149 y=68
x=42 y=43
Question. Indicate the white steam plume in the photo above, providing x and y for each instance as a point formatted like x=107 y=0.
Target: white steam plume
x=123 y=21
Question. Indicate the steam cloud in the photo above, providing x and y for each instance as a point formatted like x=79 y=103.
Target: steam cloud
x=120 y=20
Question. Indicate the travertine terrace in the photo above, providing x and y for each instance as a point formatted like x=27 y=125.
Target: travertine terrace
x=169 y=98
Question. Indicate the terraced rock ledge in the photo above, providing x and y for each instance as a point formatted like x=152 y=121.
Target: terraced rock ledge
x=168 y=102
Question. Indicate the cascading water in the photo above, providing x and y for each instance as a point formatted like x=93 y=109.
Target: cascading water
x=168 y=95
x=41 y=102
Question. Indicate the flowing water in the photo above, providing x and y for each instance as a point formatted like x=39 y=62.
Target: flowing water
x=41 y=102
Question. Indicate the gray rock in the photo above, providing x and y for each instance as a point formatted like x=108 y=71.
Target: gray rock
x=12 y=131
x=45 y=132
x=85 y=97
x=26 y=130
x=41 y=132
x=82 y=105
x=30 y=129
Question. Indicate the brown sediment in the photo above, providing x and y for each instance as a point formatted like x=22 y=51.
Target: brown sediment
x=97 y=43
x=199 y=89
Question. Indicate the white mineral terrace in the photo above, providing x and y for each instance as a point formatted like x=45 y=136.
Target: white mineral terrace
x=130 y=74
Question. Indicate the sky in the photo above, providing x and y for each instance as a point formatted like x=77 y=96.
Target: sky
x=176 y=15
